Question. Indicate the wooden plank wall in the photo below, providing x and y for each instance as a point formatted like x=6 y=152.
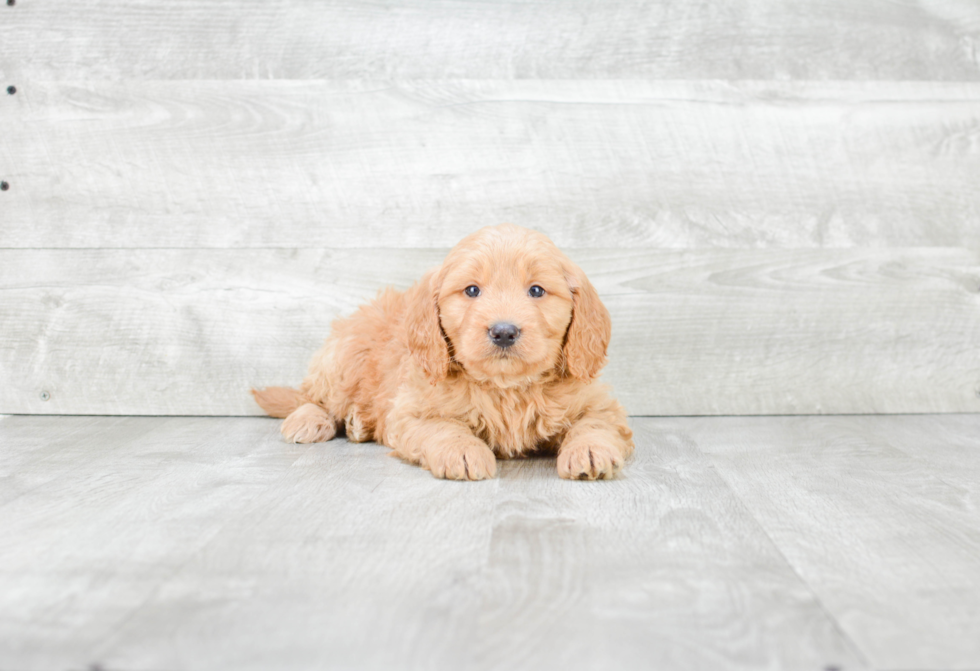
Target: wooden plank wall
x=779 y=202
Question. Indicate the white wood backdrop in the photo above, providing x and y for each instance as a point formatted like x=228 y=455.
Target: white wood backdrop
x=563 y=39
x=780 y=202
x=608 y=163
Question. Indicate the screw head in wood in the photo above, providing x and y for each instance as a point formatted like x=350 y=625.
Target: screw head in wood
x=45 y=396
x=4 y=186
x=11 y=90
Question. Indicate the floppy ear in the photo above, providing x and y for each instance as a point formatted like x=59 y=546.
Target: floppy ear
x=588 y=334
x=423 y=332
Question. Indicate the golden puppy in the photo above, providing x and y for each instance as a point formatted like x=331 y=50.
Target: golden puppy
x=493 y=353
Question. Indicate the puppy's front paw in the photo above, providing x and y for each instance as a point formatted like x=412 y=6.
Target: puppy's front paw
x=587 y=460
x=309 y=423
x=469 y=460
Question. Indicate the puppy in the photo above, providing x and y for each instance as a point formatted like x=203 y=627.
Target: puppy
x=492 y=354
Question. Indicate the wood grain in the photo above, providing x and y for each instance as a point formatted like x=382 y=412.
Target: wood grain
x=209 y=543
x=727 y=543
x=621 y=574
x=421 y=163
x=887 y=540
x=399 y=39
x=352 y=559
x=947 y=444
x=206 y=543
x=105 y=510
x=797 y=332
x=695 y=332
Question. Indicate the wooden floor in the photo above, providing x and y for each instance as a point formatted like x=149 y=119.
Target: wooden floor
x=840 y=542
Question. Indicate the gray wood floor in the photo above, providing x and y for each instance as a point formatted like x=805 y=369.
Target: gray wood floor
x=728 y=543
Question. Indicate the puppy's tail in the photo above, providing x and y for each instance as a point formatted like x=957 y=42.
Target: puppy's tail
x=278 y=401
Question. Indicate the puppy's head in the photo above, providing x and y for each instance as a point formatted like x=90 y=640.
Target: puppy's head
x=507 y=306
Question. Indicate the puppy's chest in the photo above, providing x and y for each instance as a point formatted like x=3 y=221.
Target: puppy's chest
x=515 y=422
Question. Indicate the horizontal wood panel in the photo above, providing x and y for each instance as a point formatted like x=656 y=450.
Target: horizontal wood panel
x=695 y=332
x=670 y=39
x=593 y=164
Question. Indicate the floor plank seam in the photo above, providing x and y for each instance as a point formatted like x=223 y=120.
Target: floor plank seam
x=119 y=419
x=482 y=575
x=858 y=652
x=105 y=645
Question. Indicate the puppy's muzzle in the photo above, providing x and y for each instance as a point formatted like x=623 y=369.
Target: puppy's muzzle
x=504 y=335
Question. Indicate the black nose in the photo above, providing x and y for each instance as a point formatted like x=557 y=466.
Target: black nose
x=504 y=335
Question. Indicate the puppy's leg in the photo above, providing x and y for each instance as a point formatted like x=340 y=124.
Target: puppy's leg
x=358 y=431
x=447 y=449
x=309 y=423
x=596 y=446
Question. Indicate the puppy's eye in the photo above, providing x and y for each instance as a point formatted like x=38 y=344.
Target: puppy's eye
x=535 y=292
x=472 y=291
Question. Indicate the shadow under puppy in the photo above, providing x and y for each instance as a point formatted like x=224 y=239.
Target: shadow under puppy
x=494 y=353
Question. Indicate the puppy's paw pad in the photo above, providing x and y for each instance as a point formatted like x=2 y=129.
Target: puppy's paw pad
x=588 y=461
x=474 y=461
x=308 y=424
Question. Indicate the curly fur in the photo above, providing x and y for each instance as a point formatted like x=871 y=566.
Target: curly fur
x=417 y=371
